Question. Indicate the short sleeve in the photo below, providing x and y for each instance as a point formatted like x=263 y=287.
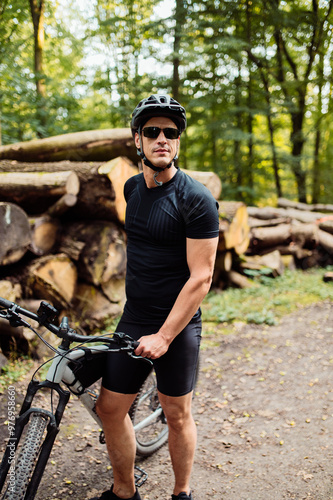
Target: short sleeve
x=200 y=212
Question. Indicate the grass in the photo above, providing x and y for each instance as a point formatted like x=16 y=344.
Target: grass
x=268 y=300
x=14 y=371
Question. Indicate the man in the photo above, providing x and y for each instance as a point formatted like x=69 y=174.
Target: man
x=172 y=230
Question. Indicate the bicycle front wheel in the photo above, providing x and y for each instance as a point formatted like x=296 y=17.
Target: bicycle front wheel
x=151 y=429
x=27 y=457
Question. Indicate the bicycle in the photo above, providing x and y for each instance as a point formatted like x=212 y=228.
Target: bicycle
x=32 y=435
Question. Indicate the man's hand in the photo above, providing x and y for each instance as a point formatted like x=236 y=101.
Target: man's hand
x=152 y=346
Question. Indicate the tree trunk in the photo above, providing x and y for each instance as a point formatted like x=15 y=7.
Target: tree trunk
x=37 y=13
x=180 y=13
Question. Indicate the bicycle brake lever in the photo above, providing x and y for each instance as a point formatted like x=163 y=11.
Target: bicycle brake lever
x=15 y=319
x=140 y=357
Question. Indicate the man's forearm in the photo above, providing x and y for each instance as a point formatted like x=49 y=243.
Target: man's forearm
x=186 y=305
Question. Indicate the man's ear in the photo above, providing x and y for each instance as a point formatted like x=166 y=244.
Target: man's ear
x=137 y=140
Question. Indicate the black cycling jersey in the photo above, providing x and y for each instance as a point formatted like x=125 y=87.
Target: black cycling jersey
x=158 y=221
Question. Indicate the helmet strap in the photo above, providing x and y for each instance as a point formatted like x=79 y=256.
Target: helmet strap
x=158 y=183
x=149 y=164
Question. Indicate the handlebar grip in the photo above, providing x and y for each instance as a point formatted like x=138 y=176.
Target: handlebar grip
x=135 y=344
x=6 y=303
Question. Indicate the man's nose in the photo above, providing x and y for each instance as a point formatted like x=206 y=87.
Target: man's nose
x=161 y=137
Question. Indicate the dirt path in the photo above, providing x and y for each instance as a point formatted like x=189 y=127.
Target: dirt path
x=264 y=411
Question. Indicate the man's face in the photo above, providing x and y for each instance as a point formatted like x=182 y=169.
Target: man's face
x=160 y=151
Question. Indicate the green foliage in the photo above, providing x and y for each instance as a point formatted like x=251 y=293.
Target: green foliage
x=249 y=73
x=267 y=301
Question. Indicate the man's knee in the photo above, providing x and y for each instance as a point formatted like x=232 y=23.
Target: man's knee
x=113 y=405
x=177 y=411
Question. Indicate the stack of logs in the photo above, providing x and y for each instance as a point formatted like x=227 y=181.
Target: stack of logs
x=293 y=234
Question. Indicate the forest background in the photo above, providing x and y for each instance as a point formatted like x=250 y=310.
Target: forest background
x=255 y=77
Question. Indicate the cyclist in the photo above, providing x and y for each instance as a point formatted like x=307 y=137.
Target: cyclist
x=172 y=230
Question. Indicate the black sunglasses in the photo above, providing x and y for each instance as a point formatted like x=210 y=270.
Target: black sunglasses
x=154 y=132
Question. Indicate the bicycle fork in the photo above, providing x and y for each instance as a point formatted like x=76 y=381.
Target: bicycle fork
x=52 y=431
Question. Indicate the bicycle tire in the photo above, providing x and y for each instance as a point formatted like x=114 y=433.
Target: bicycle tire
x=27 y=457
x=151 y=429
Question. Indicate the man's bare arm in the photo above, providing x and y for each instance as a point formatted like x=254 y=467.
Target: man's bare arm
x=201 y=254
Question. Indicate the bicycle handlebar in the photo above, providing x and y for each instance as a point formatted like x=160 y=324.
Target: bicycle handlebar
x=47 y=315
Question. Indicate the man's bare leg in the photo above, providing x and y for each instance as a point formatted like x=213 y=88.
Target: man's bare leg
x=182 y=438
x=113 y=408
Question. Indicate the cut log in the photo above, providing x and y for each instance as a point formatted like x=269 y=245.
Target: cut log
x=254 y=222
x=326 y=224
x=119 y=170
x=234 y=229
x=114 y=289
x=208 y=179
x=304 y=235
x=52 y=278
x=238 y=280
x=99 y=247
x=285 y=203
x=264 y=237
x=317 y=207
x=265 y=213
x=62 y=205
x=322 y=207
x=36 y=191
x=326 y=241
x=93 y=308
x=44 y=233
x=15 y=233
x=271 y=260
x=242 y=247
x=22 y=184
x=223 y=261
x=303 y=215
x=92 y=145
x=10 y=291
x=79 y=167
x=223 y=265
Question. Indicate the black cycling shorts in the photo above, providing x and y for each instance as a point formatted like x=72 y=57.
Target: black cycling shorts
x=175 y=370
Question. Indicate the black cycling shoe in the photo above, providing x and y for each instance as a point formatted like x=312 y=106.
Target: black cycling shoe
x=109 y=495
x=182 y=496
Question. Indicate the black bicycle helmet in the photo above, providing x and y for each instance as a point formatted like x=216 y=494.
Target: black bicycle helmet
x=158 y=105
